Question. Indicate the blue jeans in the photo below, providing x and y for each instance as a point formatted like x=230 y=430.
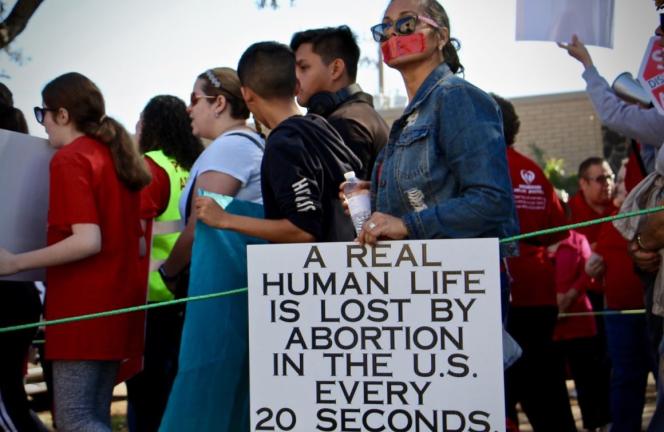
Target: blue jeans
x=628 y=345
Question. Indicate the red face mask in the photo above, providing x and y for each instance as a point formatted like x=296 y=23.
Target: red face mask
x=398 y=46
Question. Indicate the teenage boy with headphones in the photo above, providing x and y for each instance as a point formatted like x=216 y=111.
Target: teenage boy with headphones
x=326 y=68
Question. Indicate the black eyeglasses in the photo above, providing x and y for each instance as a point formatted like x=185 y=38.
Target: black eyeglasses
x=601 y=179
x=403 y=26
x=193 y=98
x=41 y=112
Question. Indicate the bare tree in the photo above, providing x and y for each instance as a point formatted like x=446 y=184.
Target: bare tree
x=17 y=19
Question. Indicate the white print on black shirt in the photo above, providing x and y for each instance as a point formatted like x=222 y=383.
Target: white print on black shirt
x=529 y=196
x=416 y=199
x=303 y=196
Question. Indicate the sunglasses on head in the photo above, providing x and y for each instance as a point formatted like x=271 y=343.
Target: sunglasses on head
x=403 y=26
x=40 y=112
x=193 y=98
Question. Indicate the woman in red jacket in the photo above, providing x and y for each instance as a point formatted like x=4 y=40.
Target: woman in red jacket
x=93 y=250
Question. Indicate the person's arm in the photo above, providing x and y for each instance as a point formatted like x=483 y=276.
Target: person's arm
x=211 y=181
x=84 y=241
x=275 y=231
x=571 y=281
x=645 y=125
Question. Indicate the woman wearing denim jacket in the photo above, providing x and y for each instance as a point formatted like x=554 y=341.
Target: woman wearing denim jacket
x=443 y=173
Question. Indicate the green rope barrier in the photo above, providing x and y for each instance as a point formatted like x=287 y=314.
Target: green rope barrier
x=242 y=290
x=120 y=311
x=582 y=224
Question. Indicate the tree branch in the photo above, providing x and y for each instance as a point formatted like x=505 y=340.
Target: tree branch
x=17 y=20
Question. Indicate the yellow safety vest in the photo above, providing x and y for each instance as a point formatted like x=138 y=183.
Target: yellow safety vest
x=166 y=227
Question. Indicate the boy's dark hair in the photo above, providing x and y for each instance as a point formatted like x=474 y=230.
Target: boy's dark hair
x=583 y=167
x=331 y=43
x=268 y=69
x=511 y=122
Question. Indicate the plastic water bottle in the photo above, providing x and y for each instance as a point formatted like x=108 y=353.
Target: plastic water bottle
x=359 y=202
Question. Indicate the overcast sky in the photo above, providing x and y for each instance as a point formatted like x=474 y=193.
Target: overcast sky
x=135 y=49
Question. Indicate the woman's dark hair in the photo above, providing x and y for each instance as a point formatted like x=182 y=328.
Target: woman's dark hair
x=435 y=11
x=11 y=118
x=223 y=81
x=85 y=104
x=167 y=127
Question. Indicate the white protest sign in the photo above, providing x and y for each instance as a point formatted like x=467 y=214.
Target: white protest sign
x=24 y=192
x=401 y=337
x=558 y=20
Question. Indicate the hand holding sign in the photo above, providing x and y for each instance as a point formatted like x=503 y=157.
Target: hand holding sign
x=578 y=50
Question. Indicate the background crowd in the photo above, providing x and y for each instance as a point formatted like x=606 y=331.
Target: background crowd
x=123 y=228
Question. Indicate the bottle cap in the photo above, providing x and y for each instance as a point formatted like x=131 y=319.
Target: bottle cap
x=349 y=175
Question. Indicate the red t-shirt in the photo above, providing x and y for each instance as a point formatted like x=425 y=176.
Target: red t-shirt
x=155 y=196
x=84 y=188
x=622 y=287
x=581 y=212
x=154 y=200
x=538 y=208
x=570 y=261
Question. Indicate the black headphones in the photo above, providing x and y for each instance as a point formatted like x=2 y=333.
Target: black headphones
x=324 y=103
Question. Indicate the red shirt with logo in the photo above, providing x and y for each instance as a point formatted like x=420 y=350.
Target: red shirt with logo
x=538 y=207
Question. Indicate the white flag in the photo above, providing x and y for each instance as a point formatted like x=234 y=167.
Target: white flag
x=558 y=20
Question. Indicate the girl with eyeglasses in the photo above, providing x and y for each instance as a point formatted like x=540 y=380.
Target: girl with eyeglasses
x=214 y=336
x=92 y=257
x=229 y=165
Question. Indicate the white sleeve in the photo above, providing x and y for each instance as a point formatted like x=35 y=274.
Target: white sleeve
x=232 y=155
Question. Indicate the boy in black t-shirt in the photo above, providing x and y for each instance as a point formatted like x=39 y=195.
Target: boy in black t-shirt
x=304 y=161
